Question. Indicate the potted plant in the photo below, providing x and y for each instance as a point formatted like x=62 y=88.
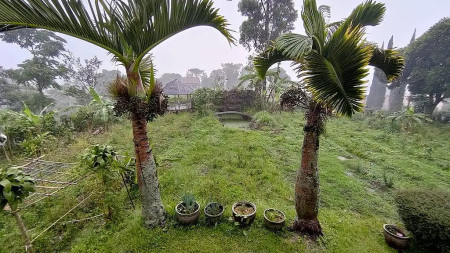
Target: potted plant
x=213 y=212
x=244 y=213
x=395 y=237
x=188 y=210
x=274 y=219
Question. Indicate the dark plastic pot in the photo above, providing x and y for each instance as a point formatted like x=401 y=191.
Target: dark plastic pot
x=212 y=219
x=273 y=225
x=393 y=240
x=188 y=219
x=244 y=219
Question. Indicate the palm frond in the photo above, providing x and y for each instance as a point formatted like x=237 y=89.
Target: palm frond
x=293 y=46
x=314 y=24
x=70 y=17
x=265 y=60
x=158 y=20
x=369 y=13
x=389 y=61
x=336 y=77
x=128 y=29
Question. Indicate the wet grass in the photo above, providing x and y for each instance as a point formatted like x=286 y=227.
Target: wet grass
x=197 y=154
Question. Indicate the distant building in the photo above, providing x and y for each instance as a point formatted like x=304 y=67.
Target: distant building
x=183 y=86
x=180 y=91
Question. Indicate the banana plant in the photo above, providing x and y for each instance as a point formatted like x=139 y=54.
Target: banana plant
x=15 y=186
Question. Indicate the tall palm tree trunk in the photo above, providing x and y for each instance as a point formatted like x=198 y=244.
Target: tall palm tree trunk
x=307 y=183
x=153 y=212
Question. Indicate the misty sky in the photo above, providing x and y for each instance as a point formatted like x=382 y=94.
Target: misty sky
x=205 y=48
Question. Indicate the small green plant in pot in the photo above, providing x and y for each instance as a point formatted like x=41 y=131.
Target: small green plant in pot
x=274 y=219
x=213 y=212
x=244 y=213
x=188 y=210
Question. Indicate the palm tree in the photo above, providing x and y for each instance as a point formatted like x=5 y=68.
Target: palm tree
x=332 y=62
x=128 y=30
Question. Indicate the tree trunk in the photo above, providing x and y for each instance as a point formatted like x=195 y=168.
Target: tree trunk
x=153 y=212
x=307 y=183
x=23 y=231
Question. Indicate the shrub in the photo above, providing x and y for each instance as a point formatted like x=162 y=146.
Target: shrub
x=261 y=120
x=426 y=214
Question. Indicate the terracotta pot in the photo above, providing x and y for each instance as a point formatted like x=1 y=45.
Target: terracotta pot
x=273 y=225
x=212 y=219
x=393 y=240
x=188 y=219
x=244 y=219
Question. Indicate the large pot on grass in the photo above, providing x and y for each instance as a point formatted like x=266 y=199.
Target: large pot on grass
x=395 y=237
x=274 y=219
x=213 y=212
x=244 y=213
x=187 y=218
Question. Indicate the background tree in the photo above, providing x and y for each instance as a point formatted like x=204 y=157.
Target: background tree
x=129 y=30
x=169 y=77
x=397 y=93
x=84 y=77
x=46 y=48
x=195 y=72
x=332 y=60
x=266 y=20
x=377 y=93
x=427 y=70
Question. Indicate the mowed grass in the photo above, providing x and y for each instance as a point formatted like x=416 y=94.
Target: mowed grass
x=198 y=155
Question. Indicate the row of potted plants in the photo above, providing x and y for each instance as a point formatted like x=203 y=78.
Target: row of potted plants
x=244 y=213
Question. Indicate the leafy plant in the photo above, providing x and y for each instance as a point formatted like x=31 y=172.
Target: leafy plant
x=388 y=180
x=214 y=208
x=189 y=205
x=409 y=119
x=35 y=146
x=15 y=186
x=274 y=215
x=426 y=214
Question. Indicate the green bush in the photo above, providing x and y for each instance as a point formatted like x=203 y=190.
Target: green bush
x=426 y=214
x=261 y=120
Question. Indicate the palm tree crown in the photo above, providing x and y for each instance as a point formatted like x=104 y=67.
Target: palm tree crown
x=332 y=59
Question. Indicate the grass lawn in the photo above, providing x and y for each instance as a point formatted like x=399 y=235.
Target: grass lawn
x=358 y=163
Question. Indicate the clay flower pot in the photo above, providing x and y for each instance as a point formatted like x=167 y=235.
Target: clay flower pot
x=395 y=237
x=187 y=219
x=244 y=213
x=213 y=218
x=274 y=219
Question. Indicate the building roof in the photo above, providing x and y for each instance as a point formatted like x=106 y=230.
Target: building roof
x=178 y=87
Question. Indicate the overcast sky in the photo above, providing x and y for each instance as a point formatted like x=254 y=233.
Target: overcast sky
x=205 y=48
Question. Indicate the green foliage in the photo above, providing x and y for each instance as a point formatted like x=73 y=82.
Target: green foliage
x=188 y=205
x=408 y=119
x=99 y=158
x=266 y=20
x=213 y=208
x=333 y=62
x=15 y=186
x=203 y=100
x=42 y=70
x=262 y=120
x=37 y=144
x=426 y=214
x=430 y=52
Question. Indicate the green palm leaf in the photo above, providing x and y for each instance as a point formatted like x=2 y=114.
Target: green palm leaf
x=127 y=29
x=389 y=61
x=293 y=46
